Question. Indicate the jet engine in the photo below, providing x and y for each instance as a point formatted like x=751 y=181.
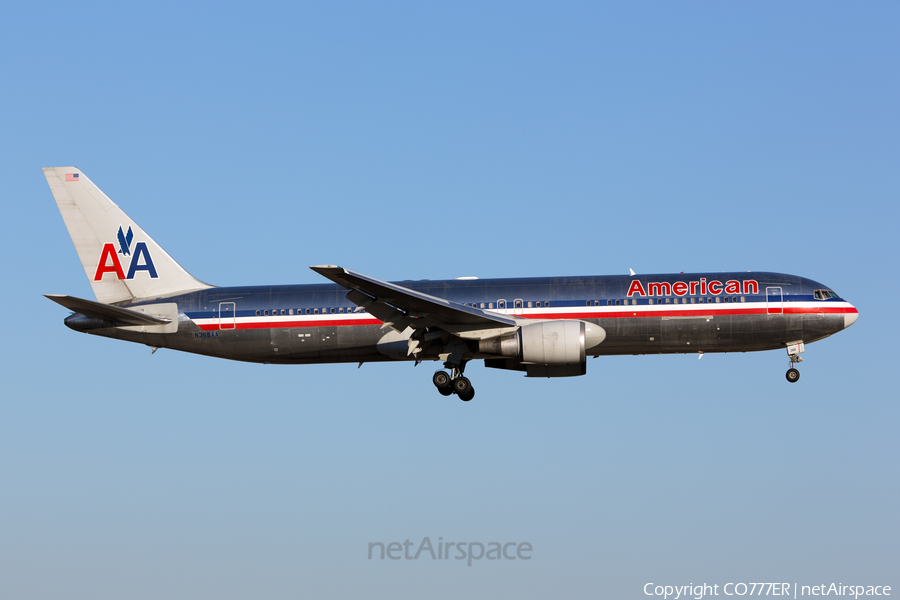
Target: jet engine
x=544 y=349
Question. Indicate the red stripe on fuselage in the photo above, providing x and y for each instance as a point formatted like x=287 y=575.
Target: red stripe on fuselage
x=293 y=324
x=623 y=313
x=643 y=312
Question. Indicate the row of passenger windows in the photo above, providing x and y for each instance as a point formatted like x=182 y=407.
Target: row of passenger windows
x=309 y=311
x=634 y=301
x=502 y=305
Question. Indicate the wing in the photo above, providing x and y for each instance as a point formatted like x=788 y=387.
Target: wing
x=401 y=307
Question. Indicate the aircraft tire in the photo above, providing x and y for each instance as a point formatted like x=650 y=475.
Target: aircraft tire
x=793 y=375
x=462 y=385
x=445 y=391
x=468 y=395
x=441 y=380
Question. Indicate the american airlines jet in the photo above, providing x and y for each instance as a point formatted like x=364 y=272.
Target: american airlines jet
x=542 y=326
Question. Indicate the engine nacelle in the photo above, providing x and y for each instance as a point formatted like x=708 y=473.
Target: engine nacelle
x=553 y=343
x=547 y=348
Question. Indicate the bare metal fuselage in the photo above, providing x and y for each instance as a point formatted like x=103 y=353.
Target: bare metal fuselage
x=305 y=324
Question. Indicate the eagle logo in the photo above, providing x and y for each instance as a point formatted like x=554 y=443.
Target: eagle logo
x=125 y=241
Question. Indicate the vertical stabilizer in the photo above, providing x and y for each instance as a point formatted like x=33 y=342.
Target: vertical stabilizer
x=121 y=261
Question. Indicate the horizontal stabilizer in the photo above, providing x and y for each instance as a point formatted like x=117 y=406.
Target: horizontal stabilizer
x=98 y=310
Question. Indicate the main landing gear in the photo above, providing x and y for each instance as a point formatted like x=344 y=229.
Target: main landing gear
x=454 y=383
x=794 y=349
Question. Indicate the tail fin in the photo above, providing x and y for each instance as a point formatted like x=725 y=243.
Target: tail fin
x=121 y=261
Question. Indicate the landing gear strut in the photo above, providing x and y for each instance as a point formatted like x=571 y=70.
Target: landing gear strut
x=794 y=349
x=453 y=383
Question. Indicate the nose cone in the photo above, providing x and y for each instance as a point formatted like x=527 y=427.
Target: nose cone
x=850 y=317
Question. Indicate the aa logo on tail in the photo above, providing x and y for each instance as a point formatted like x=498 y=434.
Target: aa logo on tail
x=140 y=257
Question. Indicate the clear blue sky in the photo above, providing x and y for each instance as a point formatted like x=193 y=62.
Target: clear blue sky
x=411 y=141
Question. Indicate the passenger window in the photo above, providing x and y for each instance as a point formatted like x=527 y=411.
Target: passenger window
x=617 y=302
x=501 y=304
x=650 y=301
x=546 y=303
x=490 y=305
x=257 y=313
x=530 y=303
x=742 y=298
x=481 y=305
x=315 y=311
x=518 y=304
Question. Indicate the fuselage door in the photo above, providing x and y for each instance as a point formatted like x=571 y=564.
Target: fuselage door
x=226 y=315
x=501 y=306
x=774 y=301
x=519 y=306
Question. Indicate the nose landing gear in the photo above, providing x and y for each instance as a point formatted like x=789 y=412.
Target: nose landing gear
x=794 y=349
x=455 y=383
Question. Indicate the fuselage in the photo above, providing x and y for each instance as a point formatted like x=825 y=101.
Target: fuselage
x=641 y=314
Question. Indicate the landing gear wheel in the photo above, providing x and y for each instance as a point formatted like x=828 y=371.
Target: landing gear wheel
x=468 y=395
x=793 y=375
x=461 y=385
x=441 y=381
x=445 y=391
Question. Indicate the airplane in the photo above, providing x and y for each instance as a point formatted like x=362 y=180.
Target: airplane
x=542 y=326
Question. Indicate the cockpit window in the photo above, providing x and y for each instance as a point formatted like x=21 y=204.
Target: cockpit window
x=825 y=295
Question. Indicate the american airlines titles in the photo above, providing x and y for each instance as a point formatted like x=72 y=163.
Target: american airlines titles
x=703 y=287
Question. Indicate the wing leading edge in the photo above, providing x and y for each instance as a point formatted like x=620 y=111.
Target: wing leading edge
x=401 y=307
